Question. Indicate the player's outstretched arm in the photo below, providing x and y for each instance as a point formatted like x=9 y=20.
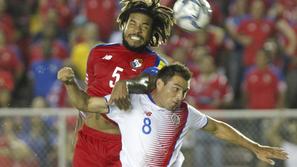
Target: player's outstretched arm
x=226 y=132
x=78 y=98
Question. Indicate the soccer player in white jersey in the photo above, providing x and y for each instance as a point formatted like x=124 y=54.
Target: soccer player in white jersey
x=154 y=128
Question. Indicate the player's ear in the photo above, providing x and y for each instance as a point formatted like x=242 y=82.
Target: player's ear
x=125 y=24
x=159 y=84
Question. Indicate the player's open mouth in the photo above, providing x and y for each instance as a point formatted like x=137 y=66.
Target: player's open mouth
x=135 y=37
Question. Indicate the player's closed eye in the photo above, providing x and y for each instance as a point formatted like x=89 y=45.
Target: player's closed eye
x=145 y=27
x=175 y=89
x=132 y=23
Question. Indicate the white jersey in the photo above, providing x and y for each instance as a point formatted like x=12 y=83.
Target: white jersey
x=152 y=136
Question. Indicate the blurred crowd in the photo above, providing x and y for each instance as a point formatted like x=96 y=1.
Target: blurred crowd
x=245 y=58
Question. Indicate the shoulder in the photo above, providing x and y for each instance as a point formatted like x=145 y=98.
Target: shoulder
x=191 y=109
x=103 y=49
x=195 y=118
x=187 y=107
x=138 y=98
x=150 y=52
x=106 y=46
x=141 y=101
x=161 y=60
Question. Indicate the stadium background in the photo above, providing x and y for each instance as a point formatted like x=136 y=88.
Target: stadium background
x=37 y=37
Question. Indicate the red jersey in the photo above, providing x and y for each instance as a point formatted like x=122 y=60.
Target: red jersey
x=205 y=91
x=263 y=88
x=9 y=61
x=103 y=13
x=259 y=30
x=110 y=63
x=7 y=27
x=6 y=80
x=59 y=51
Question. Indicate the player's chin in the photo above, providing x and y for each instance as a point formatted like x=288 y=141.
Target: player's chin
x=136 y=44
x=174 y=107
x=137 y=47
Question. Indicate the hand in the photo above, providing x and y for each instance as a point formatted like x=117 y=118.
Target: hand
x=120 y=96
x=265 y=153
x=66 y=75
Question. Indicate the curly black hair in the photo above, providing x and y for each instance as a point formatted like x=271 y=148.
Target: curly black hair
x=162 y=18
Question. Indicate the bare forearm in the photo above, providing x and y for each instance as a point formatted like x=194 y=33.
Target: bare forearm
x=97 y=104
x=230 y=134
x=140 y=84
x=226 y=132
x=78 y=98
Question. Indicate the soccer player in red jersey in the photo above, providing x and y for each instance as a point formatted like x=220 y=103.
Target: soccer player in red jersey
x=108 y=69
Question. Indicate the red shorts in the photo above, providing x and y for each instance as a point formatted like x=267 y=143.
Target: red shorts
x=97 y=149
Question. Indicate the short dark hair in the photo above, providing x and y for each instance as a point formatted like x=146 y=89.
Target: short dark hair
x=162 y=17
x=167 y=72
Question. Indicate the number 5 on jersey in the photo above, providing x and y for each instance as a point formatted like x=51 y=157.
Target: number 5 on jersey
x=116 y=75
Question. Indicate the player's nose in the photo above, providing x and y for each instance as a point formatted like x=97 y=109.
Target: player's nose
x=138 y=30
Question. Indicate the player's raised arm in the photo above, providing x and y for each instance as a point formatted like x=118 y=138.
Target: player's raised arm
x=226 y=132
x=78 y=98
x=138 y=85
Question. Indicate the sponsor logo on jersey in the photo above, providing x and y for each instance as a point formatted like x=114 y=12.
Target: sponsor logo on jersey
x=107 y=57
x=136 y=63
x=148 y=113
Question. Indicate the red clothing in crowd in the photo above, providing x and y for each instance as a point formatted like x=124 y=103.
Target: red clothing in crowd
x=103 y=13
x=262 y=88
x=6 y=81
x=9 y=61
x=8 y=28
x=290 y=10
x=59 y=51
x=63 y=10
x=205 y=91
x=259 y=31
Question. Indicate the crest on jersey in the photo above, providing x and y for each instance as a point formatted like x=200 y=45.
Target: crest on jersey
x=136 y=63
x=175 y=119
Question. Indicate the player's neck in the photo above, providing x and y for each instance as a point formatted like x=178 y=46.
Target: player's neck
x=139 y=49
x=155 y=97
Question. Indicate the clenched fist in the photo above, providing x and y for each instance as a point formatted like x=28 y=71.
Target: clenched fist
x=66 y=75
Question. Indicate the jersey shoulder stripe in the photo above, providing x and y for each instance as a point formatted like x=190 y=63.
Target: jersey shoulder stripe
x=160 y=62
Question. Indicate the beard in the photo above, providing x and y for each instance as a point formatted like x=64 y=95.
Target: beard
x=140 y=48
